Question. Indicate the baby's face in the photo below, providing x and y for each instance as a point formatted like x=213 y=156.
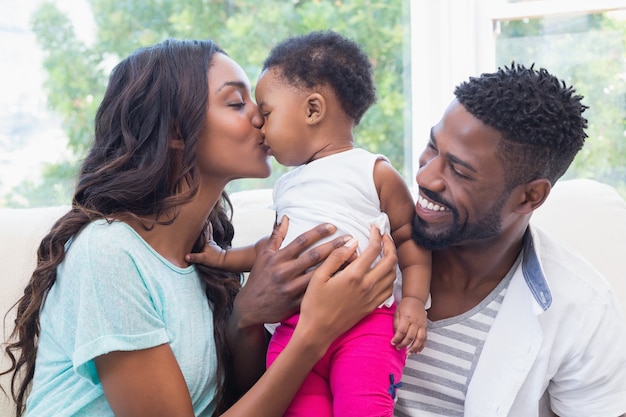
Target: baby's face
x=285 y=113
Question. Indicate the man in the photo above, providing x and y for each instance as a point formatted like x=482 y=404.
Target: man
x=518 y=326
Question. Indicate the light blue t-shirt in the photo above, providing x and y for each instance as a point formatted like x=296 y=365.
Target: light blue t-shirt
x=115 y=293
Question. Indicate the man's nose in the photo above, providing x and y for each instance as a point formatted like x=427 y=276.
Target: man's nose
x=430 y=174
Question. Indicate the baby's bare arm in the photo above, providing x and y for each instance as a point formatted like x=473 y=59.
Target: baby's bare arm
x=410 y=319
x=414 y=262
x=397 y=202
x=238 y=259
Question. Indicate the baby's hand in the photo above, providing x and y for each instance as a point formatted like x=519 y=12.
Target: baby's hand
x=212 y=255
x=410 y=325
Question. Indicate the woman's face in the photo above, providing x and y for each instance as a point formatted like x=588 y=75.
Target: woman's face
x=231 y=144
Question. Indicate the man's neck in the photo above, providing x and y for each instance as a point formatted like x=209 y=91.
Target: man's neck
x=464 y=275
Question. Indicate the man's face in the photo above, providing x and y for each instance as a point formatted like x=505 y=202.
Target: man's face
x=462 y=194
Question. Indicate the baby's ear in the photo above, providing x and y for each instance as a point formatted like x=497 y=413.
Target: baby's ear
x=315 y=108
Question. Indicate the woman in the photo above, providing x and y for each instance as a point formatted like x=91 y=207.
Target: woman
x=115 y=319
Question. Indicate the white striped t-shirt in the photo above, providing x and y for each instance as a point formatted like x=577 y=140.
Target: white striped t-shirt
x=435 y=381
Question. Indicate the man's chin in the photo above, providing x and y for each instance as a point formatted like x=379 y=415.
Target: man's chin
x=429 y=242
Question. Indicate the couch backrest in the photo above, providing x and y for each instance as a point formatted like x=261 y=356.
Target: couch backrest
x=21 y=230
x=590 y=218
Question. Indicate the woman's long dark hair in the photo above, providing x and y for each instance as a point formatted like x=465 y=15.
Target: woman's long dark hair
x=156 y=94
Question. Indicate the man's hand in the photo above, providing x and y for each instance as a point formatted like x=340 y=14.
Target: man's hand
x=279 y=277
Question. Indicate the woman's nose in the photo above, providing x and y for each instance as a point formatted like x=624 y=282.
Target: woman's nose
x=257 y=118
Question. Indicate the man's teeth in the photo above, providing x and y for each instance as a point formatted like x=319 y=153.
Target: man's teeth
x=429 y=205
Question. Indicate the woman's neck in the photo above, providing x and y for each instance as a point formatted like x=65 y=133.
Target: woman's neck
x=183 y=225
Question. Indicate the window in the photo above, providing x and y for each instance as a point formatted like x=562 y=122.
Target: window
x=587 y=50
x=580 y=41
x=78 y=52
x=422 y=50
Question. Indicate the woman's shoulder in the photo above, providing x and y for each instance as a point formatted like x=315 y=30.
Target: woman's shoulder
x=107 y=229
x=106 y=235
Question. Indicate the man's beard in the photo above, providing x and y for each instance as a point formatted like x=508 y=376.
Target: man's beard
x=490 y=225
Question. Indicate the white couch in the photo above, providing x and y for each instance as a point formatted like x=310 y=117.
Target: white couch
x=587 y=216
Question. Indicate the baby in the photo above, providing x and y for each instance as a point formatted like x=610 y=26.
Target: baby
x=312 y=92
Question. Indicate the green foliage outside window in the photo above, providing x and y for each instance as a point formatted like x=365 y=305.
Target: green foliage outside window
x=588 y=51
x=245 y=29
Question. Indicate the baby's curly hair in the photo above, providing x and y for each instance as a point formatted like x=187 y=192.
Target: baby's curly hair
x=327 y=58
x=539 y=117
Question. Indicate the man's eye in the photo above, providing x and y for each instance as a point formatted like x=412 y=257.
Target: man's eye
x=457 y=173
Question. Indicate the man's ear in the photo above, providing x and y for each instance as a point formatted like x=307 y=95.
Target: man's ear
x=315 y=108
x=532 y=195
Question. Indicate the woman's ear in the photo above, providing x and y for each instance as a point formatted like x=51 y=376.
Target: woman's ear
x=177 y=143
x=315 y=108
x=532 y=195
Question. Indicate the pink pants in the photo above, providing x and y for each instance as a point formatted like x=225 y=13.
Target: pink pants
x=356 y=376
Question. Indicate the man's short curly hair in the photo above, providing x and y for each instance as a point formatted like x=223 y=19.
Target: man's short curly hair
x=539 y=117
x=327 y=58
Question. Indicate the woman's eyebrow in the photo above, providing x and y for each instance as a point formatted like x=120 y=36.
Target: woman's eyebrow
x=238 y=84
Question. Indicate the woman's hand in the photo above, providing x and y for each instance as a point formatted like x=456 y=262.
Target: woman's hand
x=336 y=301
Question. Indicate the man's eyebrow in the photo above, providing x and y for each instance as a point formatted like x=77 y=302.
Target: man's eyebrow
x=458 y=161
x=452 y=158
x=238 y=84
